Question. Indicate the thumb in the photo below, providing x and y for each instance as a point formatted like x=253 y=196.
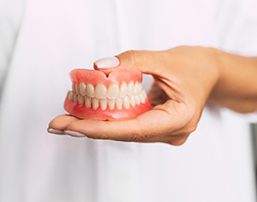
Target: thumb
x=148 y=62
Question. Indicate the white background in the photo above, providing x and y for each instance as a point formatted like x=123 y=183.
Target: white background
x=41 y=40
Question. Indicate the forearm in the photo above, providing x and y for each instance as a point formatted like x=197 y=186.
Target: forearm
x=237 y=84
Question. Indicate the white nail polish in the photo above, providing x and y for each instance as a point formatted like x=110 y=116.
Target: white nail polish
x=108 y=62
x=54 y=131
x=74 y=134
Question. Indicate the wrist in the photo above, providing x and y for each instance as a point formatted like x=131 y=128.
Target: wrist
x=223 y=83
x=236 y=87
x=213 y=69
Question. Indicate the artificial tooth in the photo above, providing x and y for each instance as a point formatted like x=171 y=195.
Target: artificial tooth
x=144 y=94
x=95 y=103
x=75 y=98
x=137 y=99
x=70 y=95
x=113 y=91
x=82 y=89
x=80 y=99
x=119 y=103
x=142 y=98
x=100 y=91
x=77 y=88
x=132 y=101
x=131 y=87
x=111 y=104
x=103 y=104
x=126 y=103
x=90 y=90
x=123 y=89
x=74 y=87
x=88 y=102
x=138 y=88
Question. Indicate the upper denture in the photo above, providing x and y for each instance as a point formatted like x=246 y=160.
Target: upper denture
x=115 y=76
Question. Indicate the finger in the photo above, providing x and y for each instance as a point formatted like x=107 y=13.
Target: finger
x=106 y=63
x=177 y=140
x=156 y=122
x=149 y=62
x=170 y=139
x=59 y=123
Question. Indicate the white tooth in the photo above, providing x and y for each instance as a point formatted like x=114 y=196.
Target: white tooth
x=95 y=103
x=113 y=91
x=73 y=87
x=75 y=98
x=131 y=88
x=119 y=103
x=123 y=89
x=126 y=103
x=144 y=94
x=103 y=104
x=142 y=98
x=70 y=95
x=88 y=102
x=137 y=100
x=80 y=99
x=82 y=89
x=77 y=88
x=132 y=101
x=90 y=90
x=138 y=88
x=100 y=91
x=111 y=104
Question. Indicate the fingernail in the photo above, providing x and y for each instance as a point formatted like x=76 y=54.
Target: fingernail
x=54 y=131
x=74 y=134
x=108 y=62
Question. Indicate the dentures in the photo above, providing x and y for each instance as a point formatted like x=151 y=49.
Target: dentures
x=106 y=95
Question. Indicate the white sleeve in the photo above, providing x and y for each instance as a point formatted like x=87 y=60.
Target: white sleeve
x=238 y=31
x=238 y=26
x=10 y=18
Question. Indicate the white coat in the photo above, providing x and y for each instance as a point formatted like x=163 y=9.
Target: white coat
x=42 y=40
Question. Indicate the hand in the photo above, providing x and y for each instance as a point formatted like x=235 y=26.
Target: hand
x=184 y=78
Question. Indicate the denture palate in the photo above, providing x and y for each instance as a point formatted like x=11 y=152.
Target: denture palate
x=107 y=97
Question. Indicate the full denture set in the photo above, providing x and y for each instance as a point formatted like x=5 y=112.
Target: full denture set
x=106 y=95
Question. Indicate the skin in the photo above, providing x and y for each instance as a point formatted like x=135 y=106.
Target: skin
x=186 y=78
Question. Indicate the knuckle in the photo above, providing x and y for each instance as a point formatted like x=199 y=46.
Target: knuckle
x=73 y=125
x=177 y=142
x=130 y=52
x=191 y=129
x=182 y=47
x=131 y=55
